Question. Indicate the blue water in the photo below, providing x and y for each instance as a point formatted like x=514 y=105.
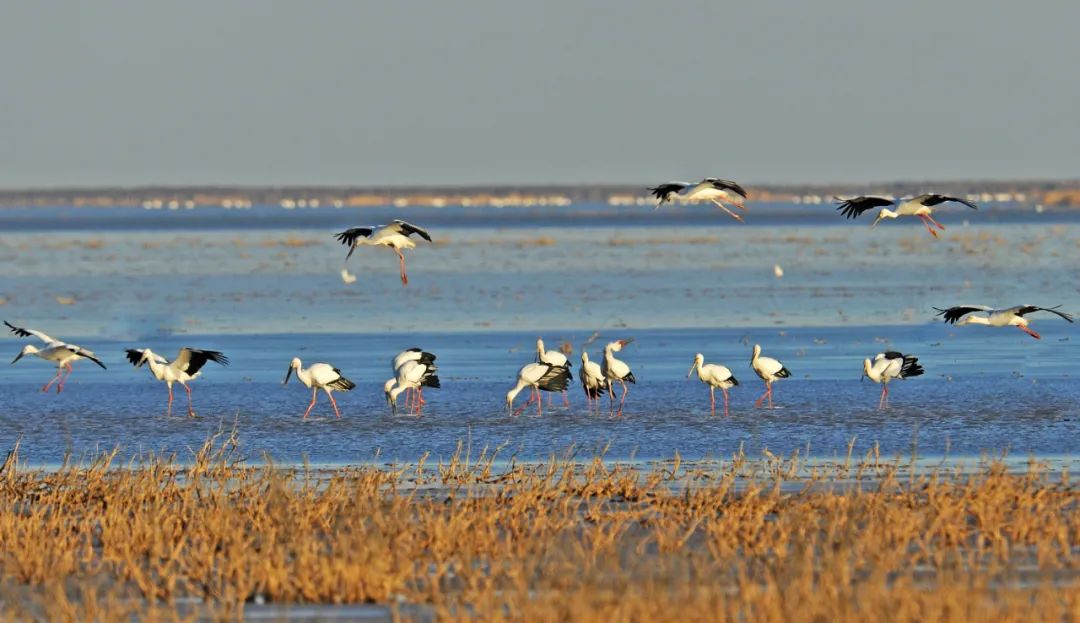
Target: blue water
x=485 y=291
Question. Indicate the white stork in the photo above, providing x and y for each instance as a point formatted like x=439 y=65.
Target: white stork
x=768 y=370
x=555 y=358
x=1011 y=317
x=921 y=206
x=888 y=366
x=418 y=355
x=412 y=374
x=187 y=367
x=616 y=370
x=395 y=235
x=319 y=376
x=593 y=381
x=539 y=377
x=60 y=353
x=711 y=189
x=714 y=375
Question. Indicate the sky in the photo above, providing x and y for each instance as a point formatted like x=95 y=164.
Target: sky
x=558 y=91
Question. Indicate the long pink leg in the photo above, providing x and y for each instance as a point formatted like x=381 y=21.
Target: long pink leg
x=625 y=390
x=730 y=213
x=928 y=227
x=539 y=403
x=401 y=261
x=309 y=408
x=60 y=386
x=190 y=408
x=528 y=402
x=770 y=396
x=169 y=410
x=940 y=226
x=56 y=378
x=724 y=389
x=712 y=399
x=334 y=402
x=768 y=388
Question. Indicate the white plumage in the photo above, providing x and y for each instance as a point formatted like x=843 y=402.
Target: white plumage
x=412 y=374
x=713 y=189
x=768 y=370
x=593 y=381
x=187 y=367
x=888 y=366
x=714 y=375
x=60 y=353
x=616 y=371
x=539 y=377
x=1009 y=317
x=395 y=236
x=319 y=376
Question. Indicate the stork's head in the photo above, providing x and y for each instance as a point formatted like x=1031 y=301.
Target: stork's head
x=584 y=357
x=698 y=360
x=293 y=365
x=757 y=352
x=865 y=369
x=539 y=346
x=29 y=349
x=387 y=386
x=617 y=345
x=885 y=213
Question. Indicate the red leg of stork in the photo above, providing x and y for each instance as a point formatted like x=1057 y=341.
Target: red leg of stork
x=730 y=213
x=532 y=396
x=1029 y=331
x=726 y=414
x=309 y=407
x=768 y=389
x=401 y=261
x=56 y=378
x=928 y=227
x=334 y=402
x=939 y=225
x=881 y=399
x=712 y=399
x=63 y=379
x=190 y=408
x=168 y=411
x=625 y=390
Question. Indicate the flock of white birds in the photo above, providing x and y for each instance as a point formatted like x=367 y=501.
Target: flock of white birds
x=414 y=369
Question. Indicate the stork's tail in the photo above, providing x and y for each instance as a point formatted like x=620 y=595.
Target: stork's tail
x=911 y=367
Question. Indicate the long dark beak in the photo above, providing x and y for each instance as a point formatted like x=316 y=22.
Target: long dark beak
x=691 y=370
x=17 y=357
x=288 y=373
x=627 y=341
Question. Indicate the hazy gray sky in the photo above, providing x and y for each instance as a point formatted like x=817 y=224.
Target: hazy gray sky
x=269 y=92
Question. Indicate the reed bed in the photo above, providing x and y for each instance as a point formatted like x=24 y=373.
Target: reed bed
x=478 y=538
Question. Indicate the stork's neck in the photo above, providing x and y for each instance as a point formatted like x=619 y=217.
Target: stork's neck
x=394 y=393
x=510 y=395
x=868 y=370
x=156 y=367
x=303 y=375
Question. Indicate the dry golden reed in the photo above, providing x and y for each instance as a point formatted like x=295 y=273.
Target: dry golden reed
x=474 y=538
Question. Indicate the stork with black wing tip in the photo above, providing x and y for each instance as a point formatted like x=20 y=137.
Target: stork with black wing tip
x=319 y=376
x=60 y=353
x=921 y=206
x=185 y=368
x=1010 y=317
x=888 y=366
x=396 y=236
x=714 y=189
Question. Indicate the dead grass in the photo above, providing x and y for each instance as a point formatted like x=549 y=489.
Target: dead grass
x=769 y=540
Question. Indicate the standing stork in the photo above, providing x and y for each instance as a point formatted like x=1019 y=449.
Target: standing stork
x=888 y=366
x=592 y=380
x=412 y=374
x=1011 y=317
x=418 y=355
x=538 y=377
x=555 y=358
x=187 y=367
x=395 y=235
x=714 y=375
x=768 y=370
x=319 y=376
x=711 y=189
x=60 y=353
x=616 y=370
x=921 y=206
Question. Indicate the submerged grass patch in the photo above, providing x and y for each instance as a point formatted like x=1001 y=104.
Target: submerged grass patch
x=470 y=538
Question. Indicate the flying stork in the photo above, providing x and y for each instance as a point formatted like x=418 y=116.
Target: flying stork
x=396 y=235
x=60 y=353
x=712 y=189
x=921 y=206
x=1010 y=317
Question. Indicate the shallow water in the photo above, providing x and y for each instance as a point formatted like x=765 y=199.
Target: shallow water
x=481 y=295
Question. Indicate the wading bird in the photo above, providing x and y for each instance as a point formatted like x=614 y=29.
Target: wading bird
x=1011 y=317
x=616 y=370
x=555 y=358
x=411 y=375
x=418 y=355
x=921 y=206
x=185 y=368
x=714 y=375
x=592 y=380
x=711 y=189
x=539 y=377
x=395 y=235
x=60 y=353
x=888 y=366
x=768 y=370
x=319 y=376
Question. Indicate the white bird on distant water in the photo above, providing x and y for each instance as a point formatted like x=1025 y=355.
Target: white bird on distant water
x=616 y=370
x=555 y=358
x=1011 y=317
x=60 y=353
x=714 y=375
x=412 y=374
x=592 y=379
x=319 y=376
x=539 y=377
x=395 y=235
x=185 y=368
x=888 y=366
x=769 y=370
x=709 y=189
x=921 y=206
